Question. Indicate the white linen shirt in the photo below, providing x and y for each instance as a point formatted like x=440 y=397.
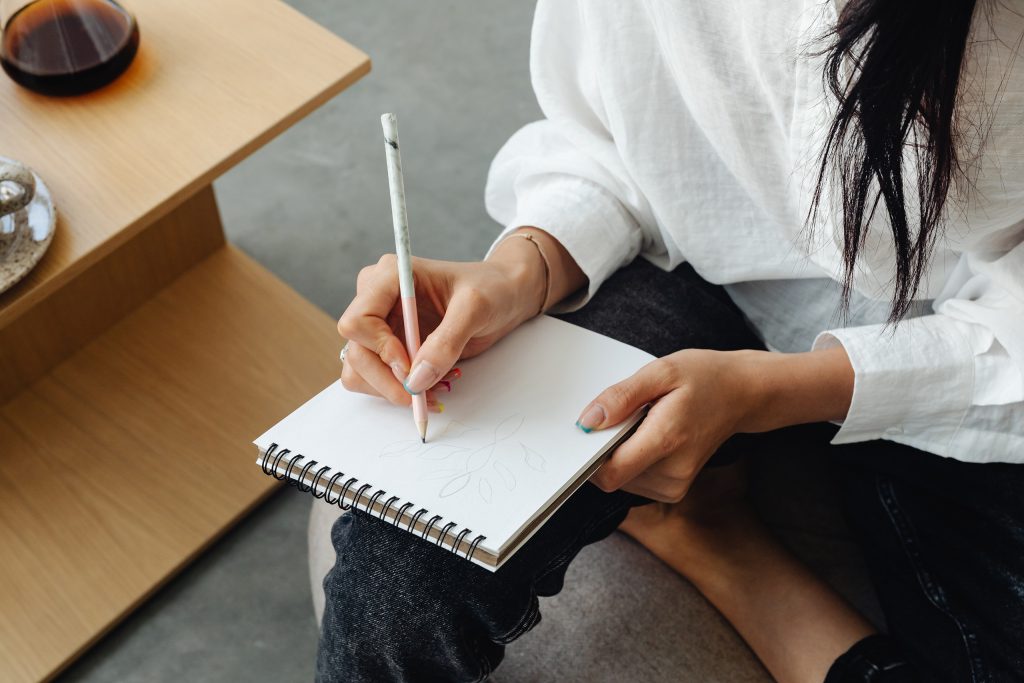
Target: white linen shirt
x=690 y=131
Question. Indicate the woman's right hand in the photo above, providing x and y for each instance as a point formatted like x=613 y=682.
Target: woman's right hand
x=463 y=309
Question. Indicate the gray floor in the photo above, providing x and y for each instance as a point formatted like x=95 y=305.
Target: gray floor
x=456 y=74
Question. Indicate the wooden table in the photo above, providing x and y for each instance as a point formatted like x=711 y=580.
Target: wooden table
x=143 y=354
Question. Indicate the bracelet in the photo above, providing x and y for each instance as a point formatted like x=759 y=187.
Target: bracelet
x=547 y=266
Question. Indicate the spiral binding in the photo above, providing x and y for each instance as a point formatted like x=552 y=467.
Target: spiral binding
x=274 y=456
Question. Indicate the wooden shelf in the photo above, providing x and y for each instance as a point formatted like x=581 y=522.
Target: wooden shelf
x=142 y=355
x=127 y=459
x=212 y=82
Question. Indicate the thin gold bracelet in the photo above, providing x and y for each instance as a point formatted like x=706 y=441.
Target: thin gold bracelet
x=547 y=266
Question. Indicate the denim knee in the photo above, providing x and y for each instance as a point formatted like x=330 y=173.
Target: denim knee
x=399 y=608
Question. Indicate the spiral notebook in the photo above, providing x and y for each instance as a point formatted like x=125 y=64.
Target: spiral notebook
x=499 y=461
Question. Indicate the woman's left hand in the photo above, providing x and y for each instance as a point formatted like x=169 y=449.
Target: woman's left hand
x=699 y=399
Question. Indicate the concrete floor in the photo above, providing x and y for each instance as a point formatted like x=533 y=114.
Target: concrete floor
x=457 y=75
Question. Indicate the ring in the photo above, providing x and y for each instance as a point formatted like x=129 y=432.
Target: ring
x=344 y=351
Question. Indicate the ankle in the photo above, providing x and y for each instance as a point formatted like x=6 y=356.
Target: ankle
x=704 y=543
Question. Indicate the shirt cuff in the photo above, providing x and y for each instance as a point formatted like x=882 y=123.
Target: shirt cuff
x=913 y=382
x=596 y=230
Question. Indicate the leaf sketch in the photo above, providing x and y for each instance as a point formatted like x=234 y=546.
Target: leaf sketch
x=490 y=449
x=533 y=459
x=480 y=457
x=505 y=474
x=441 y=451
x=508 y=427
x=455 y=484
x=441 y=474
x=433 y=451
x=399 y=447
x=454 y=430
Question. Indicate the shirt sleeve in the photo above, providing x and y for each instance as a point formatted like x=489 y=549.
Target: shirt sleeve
x=939 y=381
x=952 y=383
x=563 y=174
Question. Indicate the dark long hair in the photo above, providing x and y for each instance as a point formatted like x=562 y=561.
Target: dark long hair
x=906 y=58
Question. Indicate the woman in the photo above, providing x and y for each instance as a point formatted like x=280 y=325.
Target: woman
x=844 y=187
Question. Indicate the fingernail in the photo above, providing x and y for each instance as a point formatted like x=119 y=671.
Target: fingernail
x=422 y=377
x=450 y=378
x=591 y=418
x=399 y=370
x=446 y=384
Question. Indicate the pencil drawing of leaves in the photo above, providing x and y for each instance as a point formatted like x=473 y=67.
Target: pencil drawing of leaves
x=441 y=474
x=485 y=448
x=479 y=457
x=454 y=430
x=399 y=447
x=508 y=427
x=505 y=474
x=441 y=451
x=533 y=459
x=455 y=484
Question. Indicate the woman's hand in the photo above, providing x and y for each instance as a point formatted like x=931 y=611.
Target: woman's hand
x=463 y=309
x=700 y=398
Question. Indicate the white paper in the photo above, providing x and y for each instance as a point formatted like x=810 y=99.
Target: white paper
x=504 y=447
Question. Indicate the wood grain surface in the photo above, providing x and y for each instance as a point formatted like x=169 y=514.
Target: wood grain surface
x=129 y=458
x=142 y=356
x=212 y=82
x=90 y=302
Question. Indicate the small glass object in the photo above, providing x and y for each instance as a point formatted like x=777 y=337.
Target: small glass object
x=66 y=47
x=27 y=221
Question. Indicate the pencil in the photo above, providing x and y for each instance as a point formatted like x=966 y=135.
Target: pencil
x=400 y=219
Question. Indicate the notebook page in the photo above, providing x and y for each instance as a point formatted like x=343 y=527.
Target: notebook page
x=505 y=445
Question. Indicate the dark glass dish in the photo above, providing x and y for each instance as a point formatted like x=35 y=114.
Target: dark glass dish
x=68 y=47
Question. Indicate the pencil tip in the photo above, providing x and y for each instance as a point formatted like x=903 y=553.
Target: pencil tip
x=423 y=439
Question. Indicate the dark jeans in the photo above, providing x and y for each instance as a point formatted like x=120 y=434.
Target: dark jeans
x=944 y=540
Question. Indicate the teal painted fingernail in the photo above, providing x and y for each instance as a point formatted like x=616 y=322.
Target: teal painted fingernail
x=591 y=418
